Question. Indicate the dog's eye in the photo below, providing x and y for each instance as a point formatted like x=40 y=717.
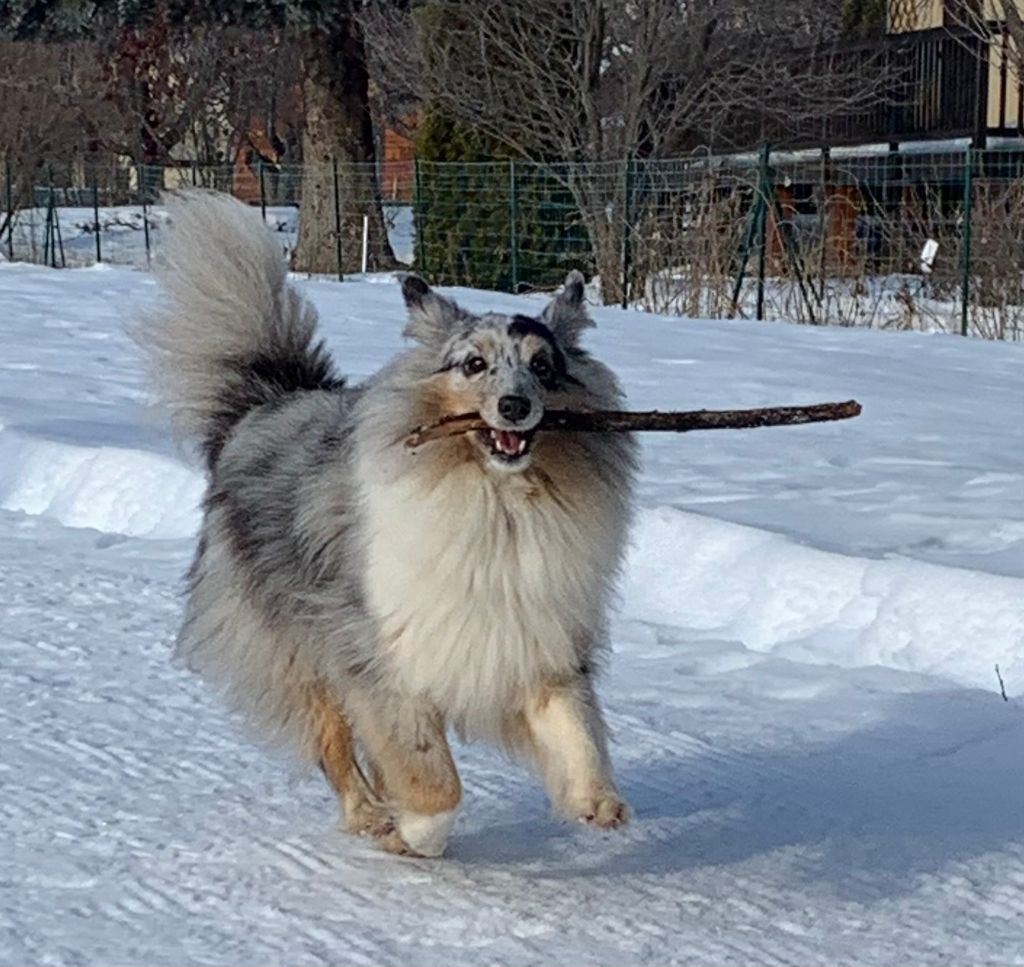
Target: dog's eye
x=541 y=368
x=474 y=365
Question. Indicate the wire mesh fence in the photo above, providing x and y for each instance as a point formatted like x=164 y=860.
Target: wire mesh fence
x=931 y=241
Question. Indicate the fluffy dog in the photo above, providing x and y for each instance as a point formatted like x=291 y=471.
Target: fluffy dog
x=356 y=599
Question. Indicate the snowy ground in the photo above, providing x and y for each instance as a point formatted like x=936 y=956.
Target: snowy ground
x=803 y=692
x=123 y=233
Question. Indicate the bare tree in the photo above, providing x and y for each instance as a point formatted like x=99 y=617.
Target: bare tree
x=181 y=69
x=52 y=109
x=395 y=69
x=137 y=90
x=601 y=84
x=193 y=88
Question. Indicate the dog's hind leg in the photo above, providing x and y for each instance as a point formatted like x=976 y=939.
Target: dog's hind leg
x=563 y=730
x=413 y=764
x=366 y=814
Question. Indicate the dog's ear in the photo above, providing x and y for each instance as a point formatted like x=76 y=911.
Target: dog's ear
x=566 y=316
x=432 y=317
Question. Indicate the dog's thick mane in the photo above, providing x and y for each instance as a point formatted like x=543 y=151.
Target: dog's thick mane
x=470 y=563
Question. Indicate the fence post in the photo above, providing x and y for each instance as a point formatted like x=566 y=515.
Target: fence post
x=10 y=211
x=263 y=192
x=965 y=294
x=748 y=241
x=48 y=232
x=826 y=157
x=337 y=219
x=627 y=218
x=57 y=232
x=96 y=212
x=513 y=217
x=53 y=235
x=419 y=219
x=762 y=228
x=145 y=212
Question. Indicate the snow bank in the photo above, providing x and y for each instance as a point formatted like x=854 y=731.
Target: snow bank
x=115 y=489
x=765 y=590
x=776 y=595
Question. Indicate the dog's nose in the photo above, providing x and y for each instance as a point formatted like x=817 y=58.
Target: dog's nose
x=515 y=409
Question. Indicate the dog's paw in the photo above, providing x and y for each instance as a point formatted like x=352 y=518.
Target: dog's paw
x=605 y=811
x=365 y=818
x=379 y=824
x=391 y=842
x=427 y=835
x=423 y=837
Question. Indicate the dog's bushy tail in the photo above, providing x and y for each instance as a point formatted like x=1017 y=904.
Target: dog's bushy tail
x=230 y=333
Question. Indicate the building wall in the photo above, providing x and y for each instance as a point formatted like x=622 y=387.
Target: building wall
x=907 y=15
x=396 y=173
x=1003 y=109
x=994 y=9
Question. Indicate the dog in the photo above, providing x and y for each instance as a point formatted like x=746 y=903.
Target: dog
x=356 y=600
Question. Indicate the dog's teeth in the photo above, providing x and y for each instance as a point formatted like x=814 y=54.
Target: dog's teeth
x=508 y=442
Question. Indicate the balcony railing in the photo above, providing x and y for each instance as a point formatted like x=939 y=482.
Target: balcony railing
x=933 y=84
x=937 y=87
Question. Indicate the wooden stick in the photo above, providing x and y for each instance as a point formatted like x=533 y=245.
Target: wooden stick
x=622 y=421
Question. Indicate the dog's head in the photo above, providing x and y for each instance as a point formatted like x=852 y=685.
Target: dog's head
x=509 y=369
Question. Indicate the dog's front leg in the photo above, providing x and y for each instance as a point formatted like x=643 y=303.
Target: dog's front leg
x=569 y=743
x=412 y=765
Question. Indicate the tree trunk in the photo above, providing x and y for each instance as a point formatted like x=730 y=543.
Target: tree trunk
x=338 y=129
x=606 y=240
x=601 y=200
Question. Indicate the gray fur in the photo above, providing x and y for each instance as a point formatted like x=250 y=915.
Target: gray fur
x=306 y=575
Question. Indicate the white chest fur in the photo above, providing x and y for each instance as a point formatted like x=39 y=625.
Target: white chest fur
x=484 y=587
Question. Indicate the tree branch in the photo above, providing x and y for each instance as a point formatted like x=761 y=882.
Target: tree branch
x=623 y=421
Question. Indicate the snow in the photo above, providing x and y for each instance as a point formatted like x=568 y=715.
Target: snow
x=123 y=232
x=806 y=714
x=814 y=606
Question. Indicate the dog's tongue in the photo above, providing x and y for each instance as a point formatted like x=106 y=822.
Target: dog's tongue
x=508 y=441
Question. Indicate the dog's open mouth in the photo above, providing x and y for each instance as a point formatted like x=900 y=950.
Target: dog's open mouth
x=507 y=445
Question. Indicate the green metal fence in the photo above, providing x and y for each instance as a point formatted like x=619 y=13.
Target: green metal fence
x=889 y=239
